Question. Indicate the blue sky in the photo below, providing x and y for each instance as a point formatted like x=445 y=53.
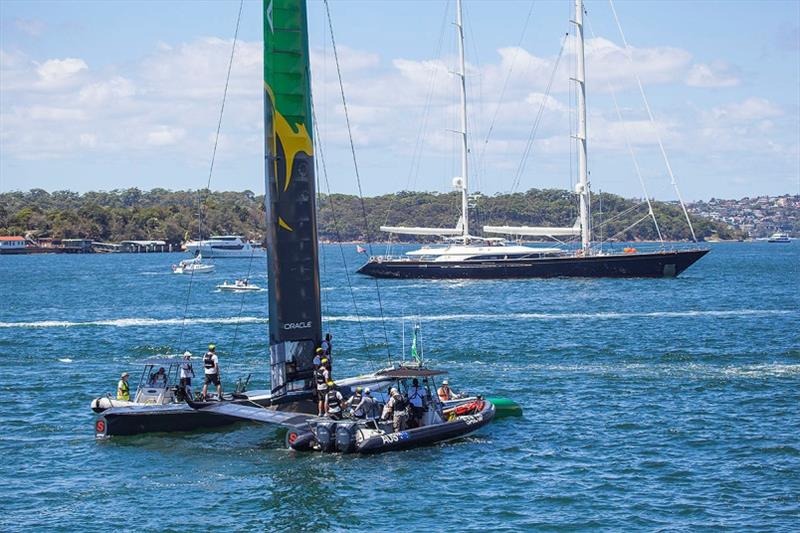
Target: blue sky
x=104 y=95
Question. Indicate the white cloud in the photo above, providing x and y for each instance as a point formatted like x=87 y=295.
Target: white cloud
x=103 y=91
x=170 y=100
x=32 y=27
x=713 y=75
x=165 y=135
x=749 y=110
x=56 y=73
x=50 y=113
x=88 y=140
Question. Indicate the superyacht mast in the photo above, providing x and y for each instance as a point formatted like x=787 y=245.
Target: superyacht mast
x=582 y=188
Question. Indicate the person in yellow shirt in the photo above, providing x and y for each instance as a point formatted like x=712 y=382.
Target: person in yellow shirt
x=123 y=389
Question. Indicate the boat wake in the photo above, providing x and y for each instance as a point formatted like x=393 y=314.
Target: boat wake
x=134 y=322
x=149 y=322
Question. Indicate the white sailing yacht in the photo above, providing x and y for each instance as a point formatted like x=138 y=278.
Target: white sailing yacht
x=470 y=257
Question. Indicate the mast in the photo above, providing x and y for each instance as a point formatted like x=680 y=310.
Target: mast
x=293 y=265
x=582 y=188
x=463 y=85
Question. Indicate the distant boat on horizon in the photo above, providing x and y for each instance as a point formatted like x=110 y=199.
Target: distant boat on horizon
x=779 y=237
x=225 y=246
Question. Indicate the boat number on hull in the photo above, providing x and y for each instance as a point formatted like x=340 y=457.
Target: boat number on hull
x=394 y=437
x=471 y=420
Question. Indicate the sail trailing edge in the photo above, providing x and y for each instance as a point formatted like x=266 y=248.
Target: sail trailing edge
x=294 y=292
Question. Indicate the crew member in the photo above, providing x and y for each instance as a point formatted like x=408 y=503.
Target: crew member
x=416 y=397
x=396 y=408
x=321 y=376
x=327 y=344
x=160 y=376
x=320 y=352
x=367 y=407
x=211 y=370
x=333 y=402
x=123 y=390
x=354 y=400
x=187 y=373
x=445 y=393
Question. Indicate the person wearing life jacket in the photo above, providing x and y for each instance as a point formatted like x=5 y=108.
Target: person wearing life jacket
x=354 y=400
x=318 y=355
x=416 y=397
x=187 y=373
x=123 y=389
x=211 y=371
x=367 y=407
x=334 y=402
x=445 y=393
x=321 y=377
x=397 y=408
x=327 y=345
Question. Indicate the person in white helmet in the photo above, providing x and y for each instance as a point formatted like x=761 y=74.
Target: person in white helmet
x=445 y=393
x=187 y=373
x=367 y=407
x=397 y=408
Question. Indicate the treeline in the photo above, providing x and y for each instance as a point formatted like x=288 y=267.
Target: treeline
x=173 y=215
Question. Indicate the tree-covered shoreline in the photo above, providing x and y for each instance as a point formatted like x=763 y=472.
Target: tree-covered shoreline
x=173 y=215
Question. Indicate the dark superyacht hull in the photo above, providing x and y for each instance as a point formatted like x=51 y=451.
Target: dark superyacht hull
x=636 y=265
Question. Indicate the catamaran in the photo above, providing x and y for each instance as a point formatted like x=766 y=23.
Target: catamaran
x=295 y=317
x=466 y=256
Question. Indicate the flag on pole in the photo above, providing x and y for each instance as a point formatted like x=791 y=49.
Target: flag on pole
x=361 y=249
x=414 y=353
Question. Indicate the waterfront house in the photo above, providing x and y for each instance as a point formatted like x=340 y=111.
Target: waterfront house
x=12 y=245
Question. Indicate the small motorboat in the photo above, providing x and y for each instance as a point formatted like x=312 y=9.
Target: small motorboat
x=240 y=285
x=440 y=421
x=158 y=385
x=192 y=266
x=779 y=237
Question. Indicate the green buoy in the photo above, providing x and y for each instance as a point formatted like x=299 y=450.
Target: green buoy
x=505 y=406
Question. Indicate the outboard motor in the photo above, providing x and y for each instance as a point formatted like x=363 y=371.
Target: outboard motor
x=326 y=435
x=346 y=436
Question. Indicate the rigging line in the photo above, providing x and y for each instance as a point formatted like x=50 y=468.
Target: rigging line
x=505 y=82
x=321 y=258
x=537 y=122
x=652 y=120
x=630 y=147
x=477 y=117
x=358 y=176
x=336 y=228
x=624 y=212
x=339 y=237
x=200 y=200
x=241 y=301
x=629 y=227
x=416 y=154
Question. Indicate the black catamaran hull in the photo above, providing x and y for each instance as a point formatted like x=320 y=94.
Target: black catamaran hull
x=638 y=265
x=123 y=421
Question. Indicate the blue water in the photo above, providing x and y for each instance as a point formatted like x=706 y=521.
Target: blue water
x=649 y=404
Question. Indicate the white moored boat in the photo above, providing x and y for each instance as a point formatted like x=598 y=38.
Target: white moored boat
x=240 y=285
x=779 y=237
x=226 y=246
x=192 y=266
